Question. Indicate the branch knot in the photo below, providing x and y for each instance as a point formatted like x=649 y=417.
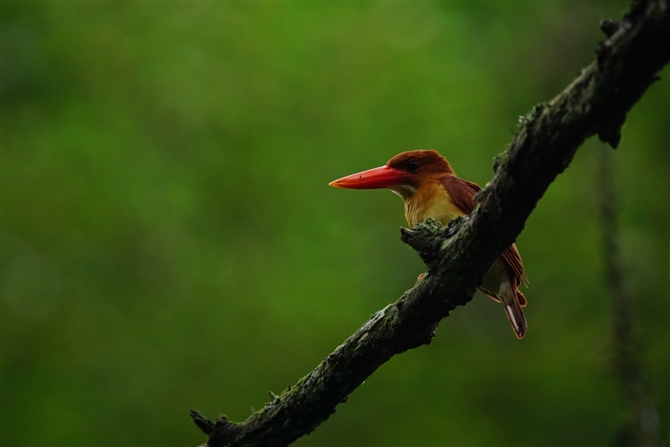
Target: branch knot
x=429 y=238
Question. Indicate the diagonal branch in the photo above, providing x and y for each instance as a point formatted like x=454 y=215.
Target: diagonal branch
x=457 y=256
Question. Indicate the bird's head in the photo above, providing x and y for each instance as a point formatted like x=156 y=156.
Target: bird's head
x=404 y=174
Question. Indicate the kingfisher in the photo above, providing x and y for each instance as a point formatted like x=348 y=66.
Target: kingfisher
x=429 y=187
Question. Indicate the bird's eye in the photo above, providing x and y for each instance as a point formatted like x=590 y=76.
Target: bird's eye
x=413 y=166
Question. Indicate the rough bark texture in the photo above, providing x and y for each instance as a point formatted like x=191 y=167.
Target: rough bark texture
x=457 y=256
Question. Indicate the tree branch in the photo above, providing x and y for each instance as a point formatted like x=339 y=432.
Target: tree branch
x=457 y=256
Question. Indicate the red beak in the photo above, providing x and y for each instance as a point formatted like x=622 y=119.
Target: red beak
x=381 y=177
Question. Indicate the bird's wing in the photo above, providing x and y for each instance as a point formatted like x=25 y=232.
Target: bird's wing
x=513 y=258
x=462 y=193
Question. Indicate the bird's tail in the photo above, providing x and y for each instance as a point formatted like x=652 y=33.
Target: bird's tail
x=512 y=303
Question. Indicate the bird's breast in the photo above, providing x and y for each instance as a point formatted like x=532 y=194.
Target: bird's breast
x=434 y=203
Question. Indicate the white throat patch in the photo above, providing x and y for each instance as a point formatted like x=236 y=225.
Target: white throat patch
x=404 y=191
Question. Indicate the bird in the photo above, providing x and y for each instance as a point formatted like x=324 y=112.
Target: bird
x=429 y=187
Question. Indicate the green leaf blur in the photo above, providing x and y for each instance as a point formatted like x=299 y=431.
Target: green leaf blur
x=169 y=240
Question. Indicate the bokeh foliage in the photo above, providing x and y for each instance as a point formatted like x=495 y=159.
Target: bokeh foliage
x=169 y=240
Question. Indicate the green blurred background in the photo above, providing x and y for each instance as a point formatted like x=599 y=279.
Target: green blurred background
x=169 y=240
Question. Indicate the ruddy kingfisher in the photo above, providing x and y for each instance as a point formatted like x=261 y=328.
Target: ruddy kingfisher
x=430 y=188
